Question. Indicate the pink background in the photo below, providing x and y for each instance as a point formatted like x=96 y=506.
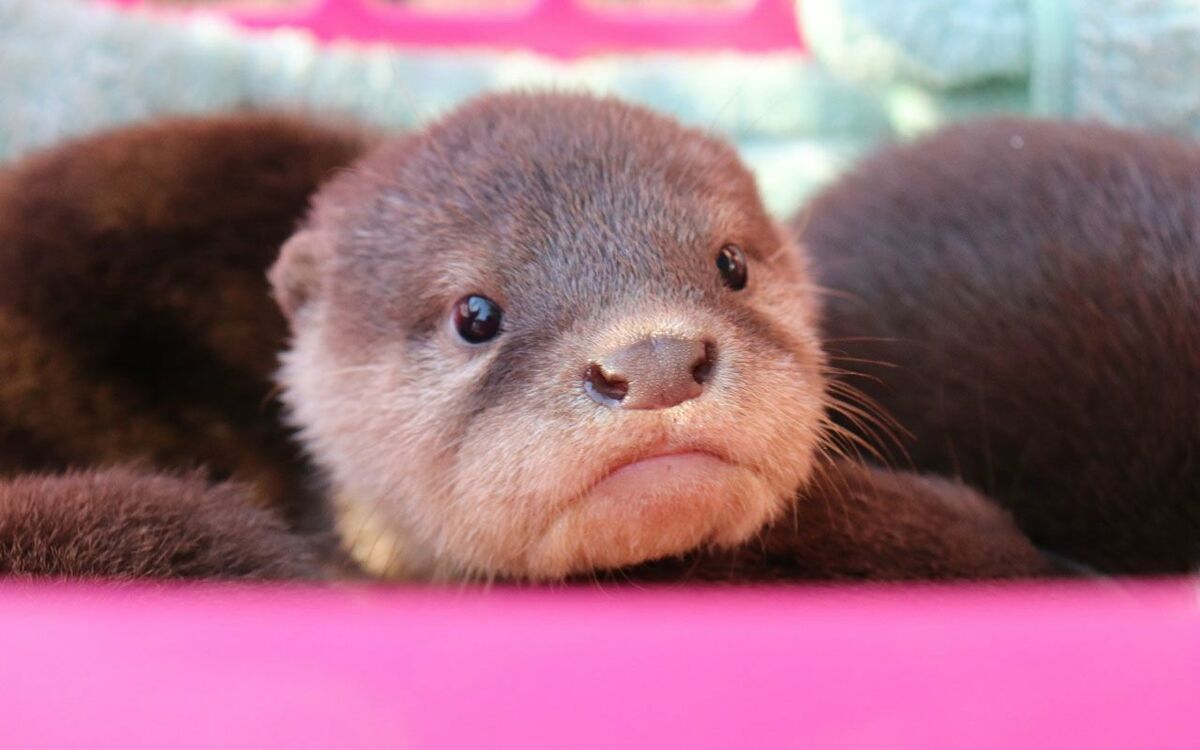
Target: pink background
x=565 y=28
x=1095 y=667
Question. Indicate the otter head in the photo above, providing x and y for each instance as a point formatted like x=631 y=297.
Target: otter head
x=548 y=334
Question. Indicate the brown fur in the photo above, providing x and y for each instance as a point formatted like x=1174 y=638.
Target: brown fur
x=119 y=524
x=1025 y=298
x=135 y=325
x=135 y=319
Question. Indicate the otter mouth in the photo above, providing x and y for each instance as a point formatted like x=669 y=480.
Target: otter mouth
x=632 y=474
x=664 y=463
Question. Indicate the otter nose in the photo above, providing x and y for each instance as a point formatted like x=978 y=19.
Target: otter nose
x=657 y=372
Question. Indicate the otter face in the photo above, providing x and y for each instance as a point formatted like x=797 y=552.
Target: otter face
x=549 y=334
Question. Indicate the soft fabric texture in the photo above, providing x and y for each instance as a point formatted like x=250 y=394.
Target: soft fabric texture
x=1129 y=62
x=68 y=69
x=877 y=68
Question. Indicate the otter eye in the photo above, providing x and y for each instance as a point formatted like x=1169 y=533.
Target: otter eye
x=477 y=318
x=731 y=262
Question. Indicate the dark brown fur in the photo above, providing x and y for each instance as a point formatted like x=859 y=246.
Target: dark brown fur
x=1024 y=298
x=135 y=319
x=119 y=524
x=135 y=325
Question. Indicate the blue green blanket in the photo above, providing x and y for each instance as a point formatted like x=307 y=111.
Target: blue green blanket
x=878 y=69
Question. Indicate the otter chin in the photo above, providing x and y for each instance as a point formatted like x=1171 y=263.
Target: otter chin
x=549 y=334
x=652 y=507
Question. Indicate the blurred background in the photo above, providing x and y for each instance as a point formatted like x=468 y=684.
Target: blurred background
x=801 y=86
x=450 y=5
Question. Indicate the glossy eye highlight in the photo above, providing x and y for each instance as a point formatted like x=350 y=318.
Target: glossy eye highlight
x=477 y=318
x=731 y=262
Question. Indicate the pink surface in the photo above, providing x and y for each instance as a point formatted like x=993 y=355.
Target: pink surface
x=566 y=28
x=856 y=668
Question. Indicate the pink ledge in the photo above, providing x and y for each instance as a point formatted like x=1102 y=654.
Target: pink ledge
x=1042 y=667
x=563 y=28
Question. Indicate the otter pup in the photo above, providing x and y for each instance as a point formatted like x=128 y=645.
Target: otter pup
x=547 y=335
x=1022 y=297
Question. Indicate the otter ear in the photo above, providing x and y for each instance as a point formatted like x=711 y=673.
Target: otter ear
x=295 y=278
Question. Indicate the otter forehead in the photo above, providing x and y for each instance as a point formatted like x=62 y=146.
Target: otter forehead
x=521 y=196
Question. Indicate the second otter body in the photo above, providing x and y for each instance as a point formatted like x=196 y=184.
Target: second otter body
x=1024 y=298
x=136 y=324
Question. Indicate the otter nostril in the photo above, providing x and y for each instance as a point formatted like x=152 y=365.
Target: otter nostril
x=608 y=386
x=702 y=369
